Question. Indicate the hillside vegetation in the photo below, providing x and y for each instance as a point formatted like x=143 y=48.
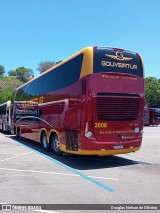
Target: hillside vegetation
x=7 y=87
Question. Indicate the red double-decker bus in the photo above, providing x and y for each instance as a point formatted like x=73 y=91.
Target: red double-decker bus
x=154 y=116
x=89 y=104
x=151 y=116
x=146 y=116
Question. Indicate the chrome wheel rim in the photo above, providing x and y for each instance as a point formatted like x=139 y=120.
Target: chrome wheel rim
x=45 y=143
x=56 y=145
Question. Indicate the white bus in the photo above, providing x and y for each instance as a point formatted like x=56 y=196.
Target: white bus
x=5 y=116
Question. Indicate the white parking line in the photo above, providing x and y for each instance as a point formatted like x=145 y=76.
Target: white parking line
x=7 y=154
x=46 y=211
x=15 y=157
x=56 y=173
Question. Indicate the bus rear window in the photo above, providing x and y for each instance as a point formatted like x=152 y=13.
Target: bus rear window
x=116 y=60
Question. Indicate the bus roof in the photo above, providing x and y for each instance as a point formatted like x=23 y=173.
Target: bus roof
x=87 y=65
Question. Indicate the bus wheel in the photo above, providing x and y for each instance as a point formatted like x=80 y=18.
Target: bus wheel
x=2 y=128
x=55 y=145
x=44 y=142
x=18 y=133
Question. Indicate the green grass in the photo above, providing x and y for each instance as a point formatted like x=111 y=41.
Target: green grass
x=7 y=87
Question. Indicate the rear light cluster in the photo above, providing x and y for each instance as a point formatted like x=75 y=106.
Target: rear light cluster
x=88 y=133
x=89 y=130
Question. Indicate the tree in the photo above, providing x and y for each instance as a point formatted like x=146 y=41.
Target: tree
x=2 y=70
x=12 y=73
x=24 y=73
x=45 y=65
x=152 y=92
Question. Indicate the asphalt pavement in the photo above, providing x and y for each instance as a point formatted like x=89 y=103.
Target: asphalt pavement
x=31 y=179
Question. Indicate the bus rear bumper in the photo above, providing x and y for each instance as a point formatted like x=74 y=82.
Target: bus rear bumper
x=111 y=148
x=109 y=152
x=104 y=148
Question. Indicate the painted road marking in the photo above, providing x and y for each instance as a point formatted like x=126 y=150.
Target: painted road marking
x=15 y=157
x=105 y=187
x=7 y=154
x=55 y=173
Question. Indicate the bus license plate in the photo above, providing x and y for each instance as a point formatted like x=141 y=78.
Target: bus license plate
x=119 y=146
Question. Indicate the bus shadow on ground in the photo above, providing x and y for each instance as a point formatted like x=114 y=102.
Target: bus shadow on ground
x=78 y=161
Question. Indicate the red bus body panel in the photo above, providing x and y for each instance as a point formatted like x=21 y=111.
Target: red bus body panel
x=100 y=114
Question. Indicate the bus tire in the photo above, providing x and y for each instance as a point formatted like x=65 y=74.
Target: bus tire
x=55 y=145
x=2 y=128
x=18 y=133
x=44 y=142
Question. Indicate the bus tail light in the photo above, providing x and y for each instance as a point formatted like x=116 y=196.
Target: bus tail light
x=88 y=134
x=88 y=131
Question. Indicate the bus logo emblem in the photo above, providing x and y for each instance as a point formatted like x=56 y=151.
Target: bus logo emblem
x=119 y=56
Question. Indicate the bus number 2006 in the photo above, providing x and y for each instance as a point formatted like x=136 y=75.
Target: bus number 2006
x=100 y=125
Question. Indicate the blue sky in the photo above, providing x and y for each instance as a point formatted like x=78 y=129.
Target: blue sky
x=32 y=31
